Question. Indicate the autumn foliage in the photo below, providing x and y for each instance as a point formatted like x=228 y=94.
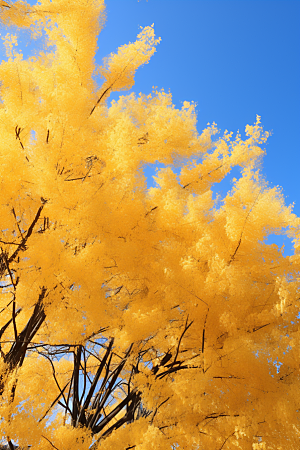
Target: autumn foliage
x=134 y=317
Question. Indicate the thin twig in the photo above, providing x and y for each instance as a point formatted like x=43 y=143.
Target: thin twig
x=52 y=404
x=49 y=442
x=14 y=319
x=28 y=233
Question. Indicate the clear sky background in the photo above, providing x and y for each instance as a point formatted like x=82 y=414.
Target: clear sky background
x=234 y=58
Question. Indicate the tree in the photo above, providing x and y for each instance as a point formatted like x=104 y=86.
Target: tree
x=134 y=318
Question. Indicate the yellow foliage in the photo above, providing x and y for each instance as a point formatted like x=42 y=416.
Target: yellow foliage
x=174 y=295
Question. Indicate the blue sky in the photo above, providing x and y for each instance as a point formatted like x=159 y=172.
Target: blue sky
x=234 y=58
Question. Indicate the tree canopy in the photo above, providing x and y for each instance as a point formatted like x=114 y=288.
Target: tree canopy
x=134 y=317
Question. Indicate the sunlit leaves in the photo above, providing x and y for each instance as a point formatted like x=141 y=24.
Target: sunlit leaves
x=166 y=300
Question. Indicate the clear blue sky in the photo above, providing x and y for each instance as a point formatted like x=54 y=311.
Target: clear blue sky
x=234 y=58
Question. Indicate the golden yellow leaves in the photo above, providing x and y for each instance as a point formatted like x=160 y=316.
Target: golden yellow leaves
x=136 y=263
x=66 y=437
x=75 y=36
x=285 y=292
x=261 y=446
x=256 y=132
x=253 y=202
x=9 y=41
x=119 y=69
x=22 y=412
x=16 y=13
x=227 y=153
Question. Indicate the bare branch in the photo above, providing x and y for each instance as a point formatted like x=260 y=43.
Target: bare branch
x=53 y=403
x=49 y=442
x=22 y=245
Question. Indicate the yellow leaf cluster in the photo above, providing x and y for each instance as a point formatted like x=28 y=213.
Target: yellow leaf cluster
x=195 y=303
